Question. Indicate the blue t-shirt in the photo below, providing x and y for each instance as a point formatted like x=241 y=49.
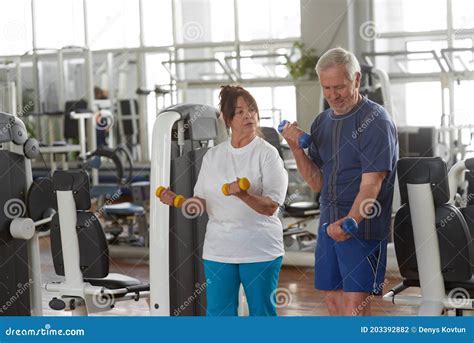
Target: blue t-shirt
x=346 y=146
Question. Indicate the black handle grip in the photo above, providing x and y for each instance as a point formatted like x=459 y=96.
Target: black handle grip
x=139 y=288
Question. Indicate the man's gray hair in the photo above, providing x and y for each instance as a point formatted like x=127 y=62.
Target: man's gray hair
x=339 y=56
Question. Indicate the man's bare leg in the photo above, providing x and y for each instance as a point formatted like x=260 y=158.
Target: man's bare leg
x=356 y=304
x=335 y=302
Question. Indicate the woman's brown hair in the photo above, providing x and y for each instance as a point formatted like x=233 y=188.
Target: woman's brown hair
x=228 y=101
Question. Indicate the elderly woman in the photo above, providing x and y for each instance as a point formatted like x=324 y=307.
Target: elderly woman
x=244 y=237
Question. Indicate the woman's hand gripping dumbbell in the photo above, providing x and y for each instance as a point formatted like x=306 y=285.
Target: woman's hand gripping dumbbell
x=169 y=198
x=236 y=186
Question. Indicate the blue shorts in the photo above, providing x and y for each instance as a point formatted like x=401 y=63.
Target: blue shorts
x=353 y=265
x=260 y=281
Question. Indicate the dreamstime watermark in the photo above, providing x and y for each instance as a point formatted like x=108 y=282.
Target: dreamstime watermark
x=192 y=31
x=281 y=297
x=192 y=208
x=46 y=331
x=14 y=208
x=445 y=221
x=288 y=200
x=25 y=109
x=368 y=299
x=194 y=116
x=104 y=120
x=22 y=288
x=370 y=208
x=103 y=298
x=458 y=297
x=199 y=289
x=365 y=124
x=97 y=214
x=466 y=199
x=20 y=113
x=13 y=31
x=368 y=31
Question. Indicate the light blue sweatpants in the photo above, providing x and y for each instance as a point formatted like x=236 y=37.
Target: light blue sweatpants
x=260 y=280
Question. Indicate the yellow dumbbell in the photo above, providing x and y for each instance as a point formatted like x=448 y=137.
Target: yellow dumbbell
x=177 y=201
x=244 y=184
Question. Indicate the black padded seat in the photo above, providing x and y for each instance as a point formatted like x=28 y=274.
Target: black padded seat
x=301 y=209
x=115 y=281
x=93 y=249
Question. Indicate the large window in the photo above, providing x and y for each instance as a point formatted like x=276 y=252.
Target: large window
x=423 y=103
x=158 y=22
x=267 y=19
x=410 y=15
x=423 y=25
x=204 y=21
x=228 y=40
x=113 y=24
x=15 y=27
x=464 y=91
x=274 y=103
x=66 y=28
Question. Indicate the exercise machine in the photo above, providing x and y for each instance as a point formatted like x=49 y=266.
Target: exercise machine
x=434 y=239
x=20 y=275
x=181 y=137
x=80 y=253
x=78 y=243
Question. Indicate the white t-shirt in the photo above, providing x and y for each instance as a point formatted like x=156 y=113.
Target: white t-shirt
x=236 y=233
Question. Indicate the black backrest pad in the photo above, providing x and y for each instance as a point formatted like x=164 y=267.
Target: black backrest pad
x=186 y=240
x=71 y=126
x=41 y=198
x=76 y=181
x=93 y=249
x=424 y=170
x=454 y=241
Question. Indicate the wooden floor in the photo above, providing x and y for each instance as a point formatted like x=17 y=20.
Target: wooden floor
x=296 y=295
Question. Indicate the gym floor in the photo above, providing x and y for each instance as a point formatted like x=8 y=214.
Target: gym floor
x=303 y=299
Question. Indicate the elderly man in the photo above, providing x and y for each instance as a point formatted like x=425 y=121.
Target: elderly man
x=351 y=162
